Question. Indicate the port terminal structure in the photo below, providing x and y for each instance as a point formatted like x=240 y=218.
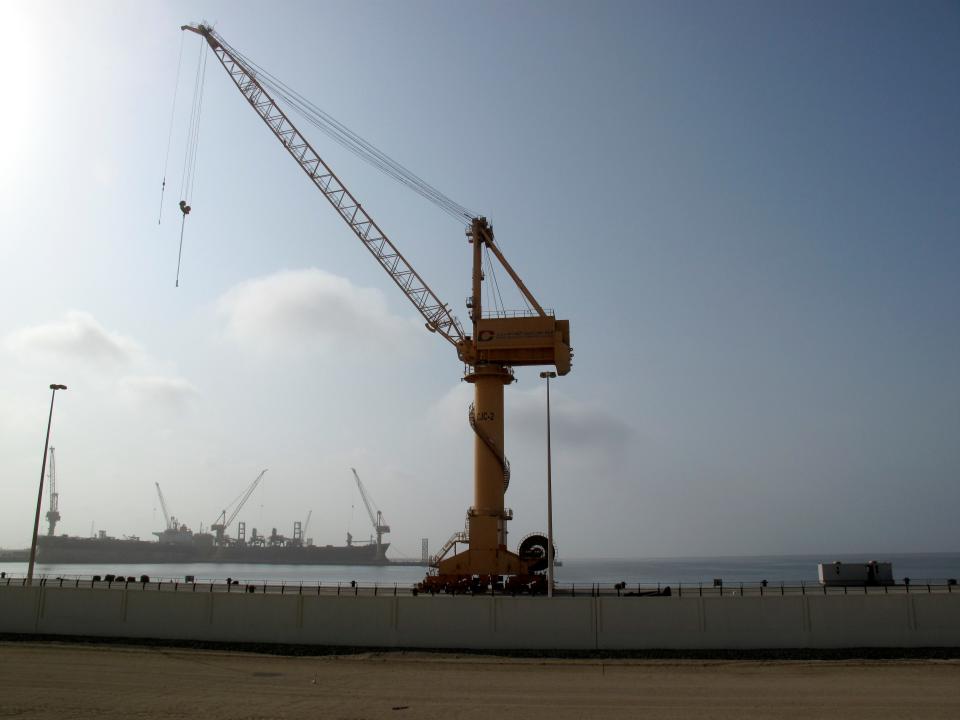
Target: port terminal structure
x=178 y=544
x=498 y=342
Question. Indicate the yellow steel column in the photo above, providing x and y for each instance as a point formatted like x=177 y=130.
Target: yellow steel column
x=486 y=524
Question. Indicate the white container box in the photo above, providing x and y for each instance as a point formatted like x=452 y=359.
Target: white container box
x=868 y=573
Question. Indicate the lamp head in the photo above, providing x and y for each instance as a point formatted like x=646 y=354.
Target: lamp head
x=58 y=387
x=548 y=374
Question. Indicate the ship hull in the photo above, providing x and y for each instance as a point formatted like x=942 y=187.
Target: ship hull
x=70 y=550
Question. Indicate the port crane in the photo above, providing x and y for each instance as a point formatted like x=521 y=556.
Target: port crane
x=376 y=517
x=53 y=514
x=170 y=520
x=306 y=526
x=219 y=527
x=497 y=343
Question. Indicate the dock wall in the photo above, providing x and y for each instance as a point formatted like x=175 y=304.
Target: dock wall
x=465 y=622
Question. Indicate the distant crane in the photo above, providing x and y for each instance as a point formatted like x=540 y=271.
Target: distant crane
x=53 y=514
x=379 y=527
x=306 y=526
x=171 y=521
x=219 y=527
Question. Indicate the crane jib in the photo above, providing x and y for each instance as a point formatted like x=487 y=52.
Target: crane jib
x=438 y=317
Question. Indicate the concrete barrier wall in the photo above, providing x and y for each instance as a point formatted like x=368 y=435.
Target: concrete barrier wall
x=605 y=623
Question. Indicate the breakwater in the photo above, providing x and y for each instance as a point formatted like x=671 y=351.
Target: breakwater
x=593 y=622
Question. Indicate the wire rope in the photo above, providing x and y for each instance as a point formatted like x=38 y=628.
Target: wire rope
x=188 y=180
x=166 y=158
x=190 y=161
x=351 y=140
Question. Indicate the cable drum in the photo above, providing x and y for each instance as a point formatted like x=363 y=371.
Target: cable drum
x=533 y=549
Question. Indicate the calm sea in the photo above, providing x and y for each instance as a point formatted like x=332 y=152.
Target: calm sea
x=919 y=567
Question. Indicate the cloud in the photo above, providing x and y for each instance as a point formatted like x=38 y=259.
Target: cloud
x=170 y=393
x=77 y=337
x=578 y=428
x=313 y=310
x=579 y=425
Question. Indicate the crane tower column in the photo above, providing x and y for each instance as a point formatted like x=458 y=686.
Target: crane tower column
x=487 y=529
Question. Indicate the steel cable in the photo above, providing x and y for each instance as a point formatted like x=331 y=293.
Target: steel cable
x=352 y=141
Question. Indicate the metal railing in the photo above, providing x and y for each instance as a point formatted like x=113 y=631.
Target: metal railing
x=358 y=589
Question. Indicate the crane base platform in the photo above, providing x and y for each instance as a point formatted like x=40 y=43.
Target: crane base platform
x=485 y=570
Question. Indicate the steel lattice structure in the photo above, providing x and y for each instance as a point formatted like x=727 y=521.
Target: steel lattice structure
x=434 y=311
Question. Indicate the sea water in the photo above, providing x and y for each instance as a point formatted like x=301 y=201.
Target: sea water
x=791 y=569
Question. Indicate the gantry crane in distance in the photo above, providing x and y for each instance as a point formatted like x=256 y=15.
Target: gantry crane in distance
x=219 y=527
x=53 y=514
x=498 y=342
x=376 y=517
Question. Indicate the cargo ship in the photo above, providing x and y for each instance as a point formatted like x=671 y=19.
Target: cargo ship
x=183 y=546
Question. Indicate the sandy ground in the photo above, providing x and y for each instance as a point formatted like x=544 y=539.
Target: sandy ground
x=52 y=680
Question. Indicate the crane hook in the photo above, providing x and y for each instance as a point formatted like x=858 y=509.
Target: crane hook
x=184 y=208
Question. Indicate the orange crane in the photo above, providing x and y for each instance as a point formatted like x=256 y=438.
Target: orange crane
x=498 y=342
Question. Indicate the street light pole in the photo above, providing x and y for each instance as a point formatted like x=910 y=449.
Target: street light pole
x=547 y=376
x=43 y=469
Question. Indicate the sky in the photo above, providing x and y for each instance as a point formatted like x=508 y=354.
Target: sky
x=748 y=211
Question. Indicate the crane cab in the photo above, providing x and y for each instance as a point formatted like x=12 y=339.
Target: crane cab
x=520 y=340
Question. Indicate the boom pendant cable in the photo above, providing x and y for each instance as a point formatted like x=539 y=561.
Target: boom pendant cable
x=353 y=142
